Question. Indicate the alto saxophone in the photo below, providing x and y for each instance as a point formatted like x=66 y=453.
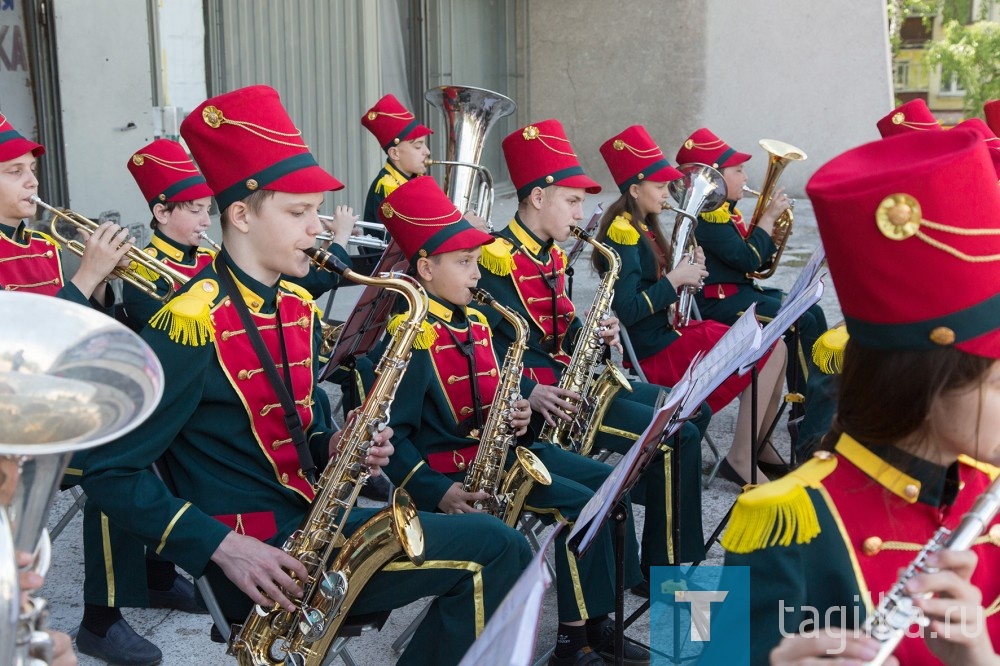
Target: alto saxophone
x=579 y=432
x=272 y=636
x=507 y=490
x=896 y=614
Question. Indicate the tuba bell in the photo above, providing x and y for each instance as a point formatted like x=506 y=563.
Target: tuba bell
x=469 y=114
x=779 y=155
x=701 y=190
x=65 y=388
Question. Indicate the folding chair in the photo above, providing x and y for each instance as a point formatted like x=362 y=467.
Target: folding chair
x=637 y=370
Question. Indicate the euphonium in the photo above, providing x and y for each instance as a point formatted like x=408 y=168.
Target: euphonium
x=274 y=637
x=780 y=154
x=507 y=490
x=702 y=189
x=469 y=113
x=595 y=394
x=135 y=255
x=65 y=389
x=896 y=614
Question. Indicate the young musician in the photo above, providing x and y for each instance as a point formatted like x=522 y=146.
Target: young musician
x=647 y=287
x=733 y=250
x=916 y=435
x=437 y=439
x=525 y=270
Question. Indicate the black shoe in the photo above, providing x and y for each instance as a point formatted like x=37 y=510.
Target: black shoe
x=774 y=470
x=121 y=646
x=635 y=654
x=642 y=589
x=180 y=597
x=583 y=657
x=377 y=488
x=727 y=472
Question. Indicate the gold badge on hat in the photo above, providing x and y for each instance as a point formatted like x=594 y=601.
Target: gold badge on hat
x=372 y=115
x=619 y=144
x=689 y=144
x=387 y=210
x=898 y=216
x=898 y=118
x=138 y=160
x=252 y=184
x=530 y=132
x=212 y=116
x=942 y=335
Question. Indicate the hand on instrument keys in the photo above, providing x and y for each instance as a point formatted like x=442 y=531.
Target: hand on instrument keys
x=379 y=452
x=103 y=251
x=553 y=403
x=521 y=416
x=780 y=202
x=260 y=570
x=342 y=224
x=609 y=333
x=831 y=645
x=62 y=644
x=457 y=500
x=689 y=274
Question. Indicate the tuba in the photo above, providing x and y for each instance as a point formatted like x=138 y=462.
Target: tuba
x=469 y=114
x=701 y=190
x=135 y=255
x=780 y=154
x=507 y=491
x=597 y=393
x=273 y=636
x=65 y=388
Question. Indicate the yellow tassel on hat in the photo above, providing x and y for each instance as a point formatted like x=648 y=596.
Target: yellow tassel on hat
x=622 y=232
x=720 y=215
x=828 y=351
x=187 y=318
x=780 y=512
x=425 y=338
x=496 y=257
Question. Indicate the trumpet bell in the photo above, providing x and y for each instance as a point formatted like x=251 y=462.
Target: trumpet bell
x=702 y=189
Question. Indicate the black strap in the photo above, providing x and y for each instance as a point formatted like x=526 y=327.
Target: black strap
x=282 y=389
x=468 y=349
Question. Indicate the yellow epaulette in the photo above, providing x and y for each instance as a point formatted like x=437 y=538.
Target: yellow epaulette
x=205 y=250
x=425 y=338
x=475 y=315
x=47 y=237
x=720 y=215
x=828 y=350
x=386 y=185
x=778 y=513
x=497 y=258
x=302 y=293
x=622 y=232
x=187 y=318
x=989 y=470
x=561 y=253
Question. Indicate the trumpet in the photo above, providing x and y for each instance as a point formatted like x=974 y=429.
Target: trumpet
x=134 y=255
x=779 y=155
x=208 y=239
x=367 y=240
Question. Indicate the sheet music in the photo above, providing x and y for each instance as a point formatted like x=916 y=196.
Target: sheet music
x=808 y=273
x=596 y=511
x=590 y=228
x=787 y=315
x=726 y=357
x=509 y=636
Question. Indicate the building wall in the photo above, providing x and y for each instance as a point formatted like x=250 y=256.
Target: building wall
x=815 y=75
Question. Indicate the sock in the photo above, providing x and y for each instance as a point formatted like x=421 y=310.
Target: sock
x=570 y=639
x=160 y=574
x=595 y=635
x=98 y=619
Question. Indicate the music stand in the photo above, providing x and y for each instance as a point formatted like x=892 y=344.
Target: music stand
x=366 y=323
x=577 y=249
x=509 y=637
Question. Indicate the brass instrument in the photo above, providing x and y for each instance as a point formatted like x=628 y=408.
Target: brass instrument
x=780 y=154
x=469 y=113
x=595 y=394
x=507 y=490
x=367 y=240
x=65 y=389
x=276 y=637
x=208 y=239
x=135 y=255
x=701 y=190
x=896 y=615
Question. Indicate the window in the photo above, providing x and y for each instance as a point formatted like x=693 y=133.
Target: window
x=950 y=85
x=902 y=76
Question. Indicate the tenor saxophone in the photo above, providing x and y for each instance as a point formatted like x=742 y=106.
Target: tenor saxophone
x=272 y=636
x=896 y=614
x=578 y=433
x=507 y=490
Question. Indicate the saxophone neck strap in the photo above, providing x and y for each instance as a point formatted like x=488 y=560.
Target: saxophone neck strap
x=283 y=389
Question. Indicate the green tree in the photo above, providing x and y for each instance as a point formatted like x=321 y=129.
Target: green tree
x=972 y=54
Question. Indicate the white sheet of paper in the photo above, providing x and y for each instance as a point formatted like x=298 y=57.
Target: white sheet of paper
x=787 y=315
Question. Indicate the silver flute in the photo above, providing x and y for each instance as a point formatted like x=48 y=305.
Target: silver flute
x=896 y=613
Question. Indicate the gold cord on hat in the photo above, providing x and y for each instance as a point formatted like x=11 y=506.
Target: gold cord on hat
x=3 y=120
x=899 y=217
x=402 y=115
x=214 y=118
x=389 y=212
x=531 y=133
x=711 y=145
x=899 y=118
x=641 y=153
x=177 y=165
